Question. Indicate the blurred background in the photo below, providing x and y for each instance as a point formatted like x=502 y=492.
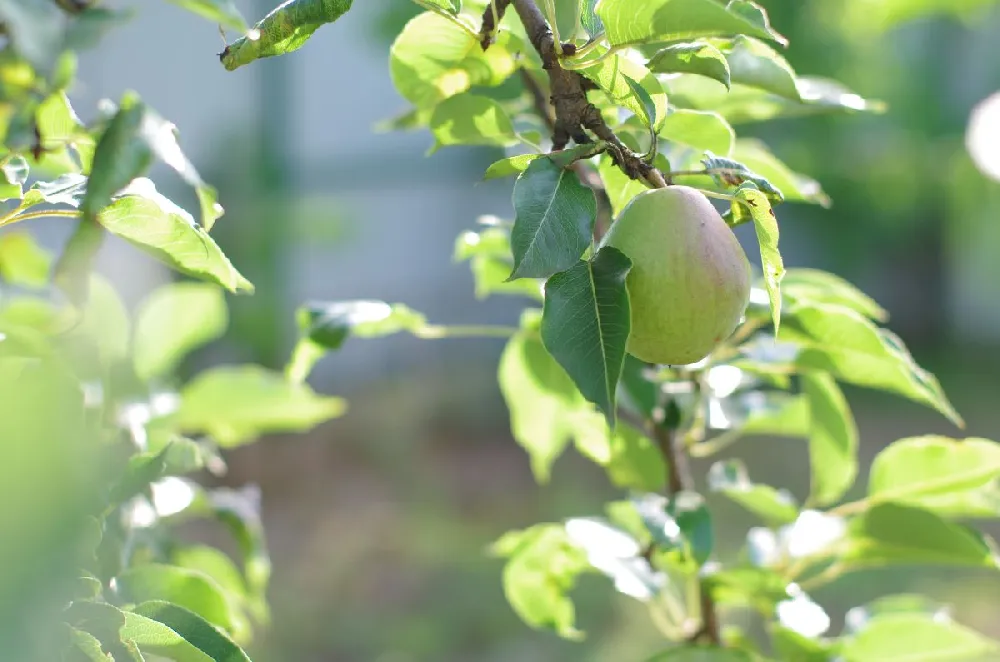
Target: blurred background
x=379 y=521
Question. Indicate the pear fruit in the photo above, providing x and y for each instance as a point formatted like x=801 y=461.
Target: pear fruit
x=690 y=279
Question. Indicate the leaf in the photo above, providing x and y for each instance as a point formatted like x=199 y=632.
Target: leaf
x=729 y=172
x=88 y=645
x=698 y=57
x=71 y=272
x=749 y=198
x=613 y=74
x=833 y=438
x=186 y=588
x=890 y=534
x=794 y=187
x=951 y=477
x=837 y=340
x=542 y=567
x=217 y=565
x=177 y=457
x=235 y=404
x=433 y=59
x=620 y=187
x=617 y=555
x=329 y=324
x=491 y=261
x=775 y=507
x=589 y=19
x=689 y=511
x=22 y=261
x=632 y=459
x=704 y=131
x=68 y=189
x=541 y=398
x=285 y=29
x=630 y=22
x=745 y=585
x=145 y=218
x=911 y=637
x=555 y=215
x=512 y=165
x=174 y=320
x=106 y=623
x=585 y=325
x=223 y=12
x=790 y=645
x=811 y=286
x=15 y=174
x=471 y=119
x=36 y=29
x=187 y=626
x=754 y=63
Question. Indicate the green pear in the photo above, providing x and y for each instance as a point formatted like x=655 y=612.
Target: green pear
x=690 y=279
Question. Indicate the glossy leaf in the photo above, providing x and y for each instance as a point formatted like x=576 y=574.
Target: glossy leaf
x=181 y=631
x=191 y=590
x=589 y=19
x=632 y=459
x=540 y=397
x=542 y=567
x=585 y=325
x=906 y=637
x=106 y=623
x=511 y=165
x=731 y=173
x=794 y=187
x=748 y=199
x=223 y=12
x=68 y=189
x=696 y=57
x=148 y=220
x=754 y=63
x=814 y=286
x=641 y=21
x=470 y=119
x=892 y=534
x=704 y=131
x=555 y=215
x=833 y=438
x=433 y=59
x=284 y=30
x=951 y=477
x=838 y=340
x=730 y=478
x=174 y=320
x=613 y=75
x=236 y=404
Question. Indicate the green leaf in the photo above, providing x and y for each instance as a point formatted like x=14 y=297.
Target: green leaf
x=541 y=398
x=542 y=567
x=698 y=57
x=174 y=320
x=329 y=324
x=692 y=517
x=589 y=19
x=775 y=507
x=15 y=174
x=754 y=63
x=838 y=340
x=554 y=222
x=223 y=12
x=904 y=535
x=189 y=589
x=285 y=29
x=811 y=286
x=749 y=199
x=68 y=189
x=181 y=625
x=107 y=624
x=616 y=554
x=235 y=404
x=471 y=119
x=694 y=653
x=491 y=261
x=71 y=272
x=741 y=586
x=179 y=456
x=22 y=261
x=951 y=477
x=620 y=188
x=649 y=112
x=145 y=218
x=585 y=325
x=613 y=74
x=912 y=637
x=632 y=460
x=217 y=565
x=629 y=22
x=36 y=29
x=729 y=172
x=790 y=645
x=512 y=165
x=433 y=59
x=794 y=187
x=833 y=438
x=704 y=131
x=636 y=390
x=88 y=645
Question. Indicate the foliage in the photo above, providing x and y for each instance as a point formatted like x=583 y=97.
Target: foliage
x=649 y=91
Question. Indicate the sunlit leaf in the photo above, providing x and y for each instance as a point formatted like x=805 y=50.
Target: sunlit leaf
x=774 y=506
x=748 y=199
x=833 y=438
x=697 y=57
x=177 y=633
x=704 y=131
x=907 y=637
x=631 y=458
x=641 y=21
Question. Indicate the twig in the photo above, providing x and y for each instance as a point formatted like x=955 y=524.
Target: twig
x=492 y=16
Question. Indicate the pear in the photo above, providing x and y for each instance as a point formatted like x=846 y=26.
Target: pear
x=690 y=279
